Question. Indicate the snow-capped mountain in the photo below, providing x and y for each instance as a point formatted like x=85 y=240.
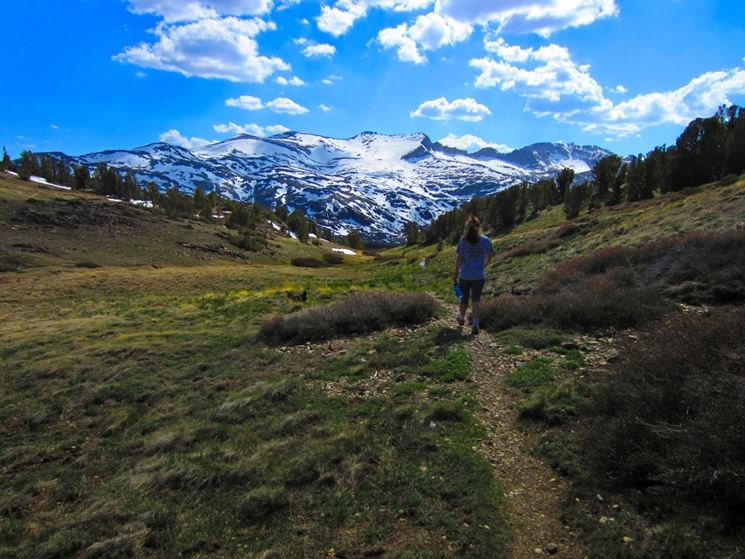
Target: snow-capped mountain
x=371 y=181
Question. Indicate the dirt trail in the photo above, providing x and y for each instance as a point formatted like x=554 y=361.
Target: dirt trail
x=531 y=488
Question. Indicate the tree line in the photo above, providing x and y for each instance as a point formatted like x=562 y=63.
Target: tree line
x=708 y=150
x=244 y=217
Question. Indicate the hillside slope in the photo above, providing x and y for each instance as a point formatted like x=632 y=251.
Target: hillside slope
x=142 y=416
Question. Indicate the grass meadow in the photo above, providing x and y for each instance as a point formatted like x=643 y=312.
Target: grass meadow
x=142 y=415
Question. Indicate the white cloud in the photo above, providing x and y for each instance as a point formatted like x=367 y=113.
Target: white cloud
x=460 y=109
x=279 y=105
x=471 y=143
x=286 y=106
x=339 y=18
x=192 y=10
x=233 y=128
x=294 y=81
x=553 y=84
x=140 y=75
x=699 y=97
x=548 y=78
x=319 y=51
x=246 y=102
x=534 y=16
x=175 y=137
x=325 y=108
x=428 y=32
x=54 y=126
x=250 y=129
x=331 y=80
x=276 y=129
x=208 y=48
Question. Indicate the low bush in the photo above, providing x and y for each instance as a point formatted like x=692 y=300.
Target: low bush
x=596 y=303
x=621 y=287
x=333 y=259
x=248 y=240
x=531 y=247
x=671 y=417
x=87 y=264
x=307 y=262
x=358 y=314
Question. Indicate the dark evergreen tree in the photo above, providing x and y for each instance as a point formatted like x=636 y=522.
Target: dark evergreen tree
x=563 y=183
x=354 y=240
x=574 y=198
x=81 y=177
x=605 y=175
x=636 y=179
x=298 y=224
x=62 y=173
x=46 y=168
x=29 y=165
x=152 y=193
x=412 y=233
x=735 y=143
x=281 y=213
x=7 y=163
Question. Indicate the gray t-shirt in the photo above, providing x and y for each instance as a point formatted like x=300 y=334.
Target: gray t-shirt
x=474 y=258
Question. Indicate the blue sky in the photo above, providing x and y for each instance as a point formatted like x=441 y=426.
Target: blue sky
x=89 y=75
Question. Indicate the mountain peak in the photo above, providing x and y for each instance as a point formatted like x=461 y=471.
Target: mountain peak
x=374 y=181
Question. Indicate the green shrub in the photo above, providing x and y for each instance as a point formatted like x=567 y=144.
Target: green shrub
x=359 y=313
x=307 y=262
x=671 y=417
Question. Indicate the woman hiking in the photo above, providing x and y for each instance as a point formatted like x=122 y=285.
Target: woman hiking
x=474 y=254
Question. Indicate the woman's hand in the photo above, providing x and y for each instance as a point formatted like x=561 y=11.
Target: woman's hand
x=455 y=278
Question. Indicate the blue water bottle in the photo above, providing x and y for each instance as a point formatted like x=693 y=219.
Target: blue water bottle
x=458 y=291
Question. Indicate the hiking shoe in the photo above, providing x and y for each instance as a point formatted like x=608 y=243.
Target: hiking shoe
x=461 y=320
x=474 y=330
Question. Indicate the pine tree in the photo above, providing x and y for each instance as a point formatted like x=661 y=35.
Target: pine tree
x=412 y=233
x=81 y=177
x=29 y=165
x=62 y=173
x=7 y=163
x=563 y=183
x=574 y=198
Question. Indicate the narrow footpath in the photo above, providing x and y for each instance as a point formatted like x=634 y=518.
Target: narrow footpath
x=532 y=490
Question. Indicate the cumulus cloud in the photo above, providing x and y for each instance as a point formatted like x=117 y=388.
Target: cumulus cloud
x=325 y=108
x=246 y=102
x=319 y=51
x=543 y=17
x=208 y=48
x=552 y=83
x=471 y=143
x=294 y=81
x=548 y=78
x=192 y=10
x=278 y=105
x=460 y=109
x=701 y=96
x=339 y=18
x=287 y=106
x=428 y=32
x=249 y=129
x=176 y=138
